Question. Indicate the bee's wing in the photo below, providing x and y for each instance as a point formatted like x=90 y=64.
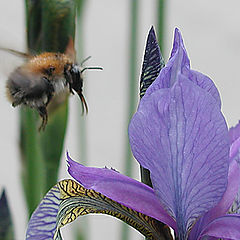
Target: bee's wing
x=10 y=59
x=17 y=53
x=22 y=84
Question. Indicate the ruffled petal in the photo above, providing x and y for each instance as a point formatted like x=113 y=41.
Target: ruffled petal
x=179 y=63
x=226 y=227
x=122 y=189
x=185 y=148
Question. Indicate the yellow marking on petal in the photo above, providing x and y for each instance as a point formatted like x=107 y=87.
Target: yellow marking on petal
x=79 y=201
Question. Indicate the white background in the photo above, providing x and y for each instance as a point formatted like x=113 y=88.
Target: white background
x=212 y=38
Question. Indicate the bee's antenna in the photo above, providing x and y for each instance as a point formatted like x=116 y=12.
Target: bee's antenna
x=86 y=59
x=99 y=68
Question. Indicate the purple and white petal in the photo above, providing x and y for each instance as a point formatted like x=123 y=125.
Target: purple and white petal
x=42 y=224
x=226 y=227
x=121 y=189
x=185 y=148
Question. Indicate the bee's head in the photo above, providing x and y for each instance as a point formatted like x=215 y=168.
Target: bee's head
x=76 y=83
x=73 y=74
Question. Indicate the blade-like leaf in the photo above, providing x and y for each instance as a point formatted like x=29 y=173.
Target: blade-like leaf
x=68 y=200
x=50 y=24
x=51 y=142
x=6 y=225
x=58 y=26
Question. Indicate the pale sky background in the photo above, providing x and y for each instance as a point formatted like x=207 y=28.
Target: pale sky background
x=212 y=38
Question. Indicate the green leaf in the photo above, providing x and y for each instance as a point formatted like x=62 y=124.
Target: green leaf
x=6 y=225
x=68 y=200
x=32 y=162
x=58 y=24
x=51 y=141
x=50 y=25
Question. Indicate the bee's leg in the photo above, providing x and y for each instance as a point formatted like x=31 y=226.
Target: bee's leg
x=49 y=97
x=16 y=103
x=69 y=79
x=50 y=90
x=43 y=114
x=18 y=98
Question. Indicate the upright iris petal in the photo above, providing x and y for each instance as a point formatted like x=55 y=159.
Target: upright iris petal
x=186 y=146
x=180 y=63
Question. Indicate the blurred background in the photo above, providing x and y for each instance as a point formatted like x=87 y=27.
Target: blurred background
x=212 y=38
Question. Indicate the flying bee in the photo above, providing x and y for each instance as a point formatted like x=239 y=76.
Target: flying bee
x=42 y=76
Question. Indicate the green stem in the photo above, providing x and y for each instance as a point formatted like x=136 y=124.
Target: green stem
x=81 y=232
x=50 y=25
x=33 y=174
x=82 y=128
x=161 y=6
x=132 y=91
x=32 y=162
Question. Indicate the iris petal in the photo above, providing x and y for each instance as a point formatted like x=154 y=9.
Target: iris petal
x=122 y=189
x=185 y=148
x=234 y=134
x=42 y=224
x=224 y=205
x=179 y=63
x=68 y=200
x=226 y=227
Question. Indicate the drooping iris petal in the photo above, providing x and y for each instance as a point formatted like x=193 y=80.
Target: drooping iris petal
x=185 y=148
x=224 y=205
x=179 y=63
x=226 y=227
x=122 y=189
x=68 y=200
x=42 y=224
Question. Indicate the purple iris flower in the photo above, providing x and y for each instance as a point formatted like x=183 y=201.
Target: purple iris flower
x=180 y=135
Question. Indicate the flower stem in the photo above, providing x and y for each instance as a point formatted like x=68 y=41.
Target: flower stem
x=50 y=23
x=132 y=90
x=161 y=6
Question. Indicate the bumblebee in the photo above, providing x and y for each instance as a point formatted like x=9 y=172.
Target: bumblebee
x=41 y=77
